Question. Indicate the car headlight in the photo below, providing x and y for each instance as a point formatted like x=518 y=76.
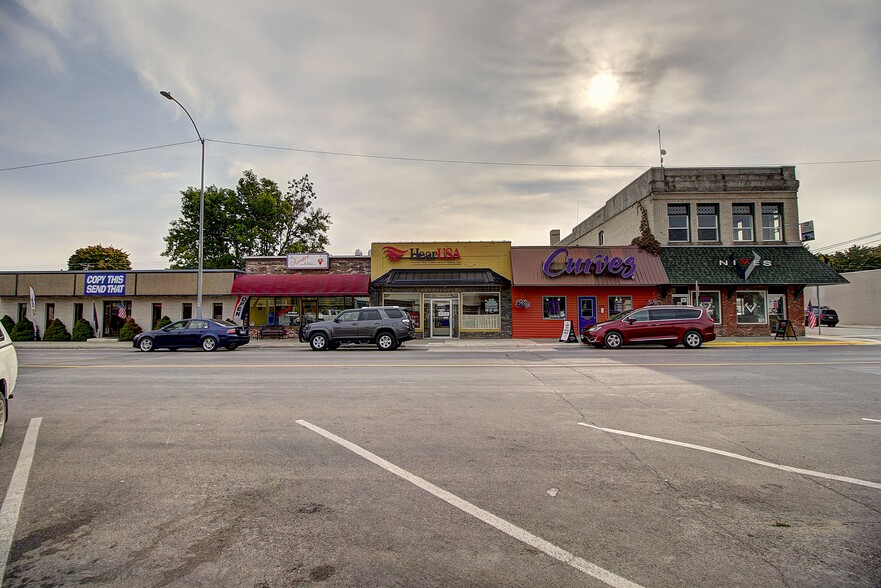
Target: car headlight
x=593 y=328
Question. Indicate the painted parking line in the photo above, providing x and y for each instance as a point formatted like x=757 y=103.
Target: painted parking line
x=487 y=517
x=768 y=464
x=14 y=495
x=873 y=420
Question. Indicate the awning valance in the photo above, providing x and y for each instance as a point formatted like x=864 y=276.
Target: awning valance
x=441 y=277
x=302 y=285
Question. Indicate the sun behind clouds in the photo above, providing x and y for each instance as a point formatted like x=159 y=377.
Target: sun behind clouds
x=602 y=90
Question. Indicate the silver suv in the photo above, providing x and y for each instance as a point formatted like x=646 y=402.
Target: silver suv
x=386 y=326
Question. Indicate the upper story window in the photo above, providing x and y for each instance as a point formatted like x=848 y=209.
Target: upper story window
x=772 y=222
x=602 y=238
x=707 y=222
x=677 y=222
x=742 y=217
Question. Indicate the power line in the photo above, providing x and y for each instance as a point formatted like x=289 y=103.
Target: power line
x=95 y=156
x=849 y=241
x=414 y=159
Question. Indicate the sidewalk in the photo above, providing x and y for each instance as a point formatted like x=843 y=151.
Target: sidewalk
x=843 y=335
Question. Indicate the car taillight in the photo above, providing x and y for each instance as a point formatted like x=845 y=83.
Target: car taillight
x=231 y=331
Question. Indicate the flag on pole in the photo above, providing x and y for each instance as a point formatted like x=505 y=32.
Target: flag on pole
x=95 y=319
x=33 y=309
x=121 y=313
x=812 y=316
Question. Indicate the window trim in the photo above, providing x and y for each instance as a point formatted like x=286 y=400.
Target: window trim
x=715 y=227
x=497 y=295
x=686 y=216
x=751 y=228
x=563 y=311
x=778 y=227
x=739 y=296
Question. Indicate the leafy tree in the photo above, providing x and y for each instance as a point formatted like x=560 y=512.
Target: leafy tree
x=163 y=321
x=98 y=257
x=128 y=331
x=8 y=323
x=857 y=258
x=255 y=218
x=82 y=331
x=56 y=331
x=23 y=331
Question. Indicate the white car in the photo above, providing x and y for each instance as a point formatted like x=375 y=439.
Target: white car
x=8 y=376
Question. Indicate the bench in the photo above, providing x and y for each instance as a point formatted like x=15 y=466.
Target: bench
x=274 y=332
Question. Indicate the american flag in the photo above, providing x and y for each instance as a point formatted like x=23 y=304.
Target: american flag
x=121 y=312
x=812 y=318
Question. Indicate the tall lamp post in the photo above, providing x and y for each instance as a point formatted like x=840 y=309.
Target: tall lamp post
x=201 y=206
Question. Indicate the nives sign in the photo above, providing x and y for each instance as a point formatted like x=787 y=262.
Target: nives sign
x=597 y=264
x=105 y=284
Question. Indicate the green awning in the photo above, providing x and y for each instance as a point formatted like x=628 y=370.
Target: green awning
x=779 y=265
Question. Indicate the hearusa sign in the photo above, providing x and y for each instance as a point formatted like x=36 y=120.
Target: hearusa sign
x=105 y=284
x=597 y=264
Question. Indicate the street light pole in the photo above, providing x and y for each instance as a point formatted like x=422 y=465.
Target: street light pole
x=201 y=206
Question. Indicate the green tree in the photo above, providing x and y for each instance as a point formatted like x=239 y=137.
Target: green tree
x=23 y=331
x=98 y=257
x=128 y=331
x=255 y=218
x=56 y=331
x=8 y=323
x=857 y=258
x=82 y=331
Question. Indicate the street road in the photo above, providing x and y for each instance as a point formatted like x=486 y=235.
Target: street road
x=271 y=468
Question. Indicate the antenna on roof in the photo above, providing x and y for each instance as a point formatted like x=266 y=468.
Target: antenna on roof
x=661 y=149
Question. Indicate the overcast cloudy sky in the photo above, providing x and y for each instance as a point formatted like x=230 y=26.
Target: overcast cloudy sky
x=579 y=87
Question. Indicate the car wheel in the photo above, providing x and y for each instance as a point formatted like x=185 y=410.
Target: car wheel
x=232 y=346
x=386 y=342
x=3 y=416
x=145 y=344
x=209 y=344
x=613 y=340
x=692 y=340
x=318 y=342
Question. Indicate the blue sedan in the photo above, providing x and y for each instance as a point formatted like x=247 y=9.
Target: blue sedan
x=205 y=333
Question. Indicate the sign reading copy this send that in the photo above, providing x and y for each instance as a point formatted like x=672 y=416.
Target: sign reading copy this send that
x=105 y=284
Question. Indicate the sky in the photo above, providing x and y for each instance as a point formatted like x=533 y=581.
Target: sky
x=496 y=120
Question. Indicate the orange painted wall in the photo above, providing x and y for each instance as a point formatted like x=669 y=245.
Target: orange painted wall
x=529 y=324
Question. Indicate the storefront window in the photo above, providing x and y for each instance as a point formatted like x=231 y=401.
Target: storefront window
x=751 y=308
x=409 y=301
x=480 y=311
x=619 y=304
x=710 y=301
x=553 y=307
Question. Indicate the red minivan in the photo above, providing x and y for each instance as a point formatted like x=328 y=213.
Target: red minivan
x=667 y=325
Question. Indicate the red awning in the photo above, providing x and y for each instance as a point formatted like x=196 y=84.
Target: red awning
x=302 y=285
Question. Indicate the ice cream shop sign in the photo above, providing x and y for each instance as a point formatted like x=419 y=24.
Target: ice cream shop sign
x=559 y=262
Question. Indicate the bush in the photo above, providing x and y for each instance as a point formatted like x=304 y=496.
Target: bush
x=56 y=331
x=82 y=330
x=23 y=331
x=129 y=330
x=162 y=322
x=8 y=323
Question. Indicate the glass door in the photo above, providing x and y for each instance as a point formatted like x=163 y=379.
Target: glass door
x=441 y=318
x=587 y=312
x=776 y=309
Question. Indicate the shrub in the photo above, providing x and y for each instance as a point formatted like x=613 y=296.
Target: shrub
x=8 y=323
x=129 y=330
x=162 y=322
x=23 y=331
x=56 y=331
x=82 y=331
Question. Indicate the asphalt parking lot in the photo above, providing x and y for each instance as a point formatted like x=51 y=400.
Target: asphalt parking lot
x=446 y=466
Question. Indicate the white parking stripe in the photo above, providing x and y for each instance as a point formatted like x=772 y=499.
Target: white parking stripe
x=502 y=525
x=15 y=493
x=768 y=464
x=872 y=420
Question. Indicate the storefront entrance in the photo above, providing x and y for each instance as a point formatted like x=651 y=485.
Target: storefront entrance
x=587 y=312
x=442 y=318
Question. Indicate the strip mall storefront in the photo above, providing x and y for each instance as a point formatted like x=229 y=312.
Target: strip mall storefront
x=450 y=289
x=284 y=291
x=584 y=285
x=747 y=290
